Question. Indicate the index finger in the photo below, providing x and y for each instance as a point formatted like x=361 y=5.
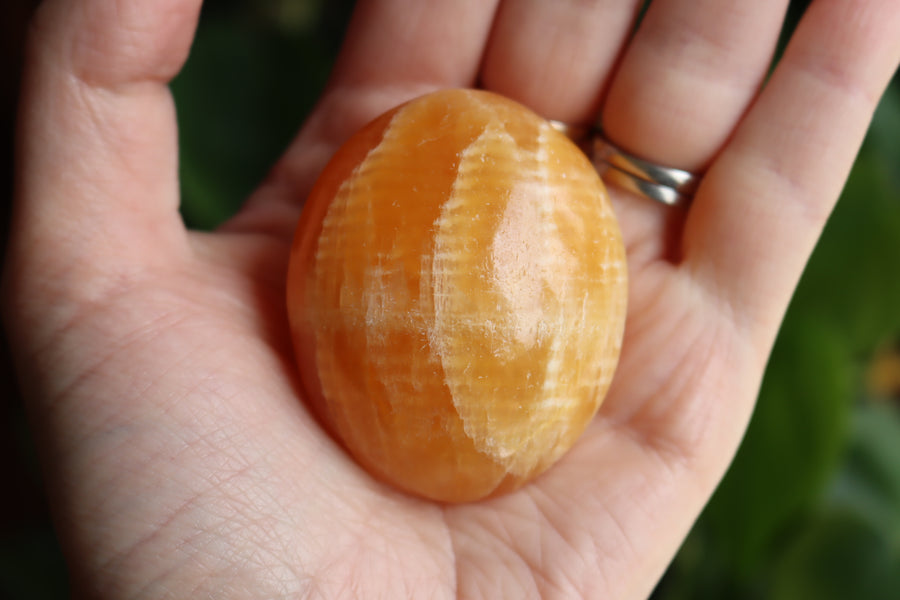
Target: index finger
x=393 y=51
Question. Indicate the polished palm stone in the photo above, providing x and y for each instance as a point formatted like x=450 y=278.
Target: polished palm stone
x=456 y=294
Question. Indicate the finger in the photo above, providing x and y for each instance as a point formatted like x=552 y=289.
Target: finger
x=394 y=50
x=689 y=74
x=764 y=202
x=97 y=149
x=555 y=56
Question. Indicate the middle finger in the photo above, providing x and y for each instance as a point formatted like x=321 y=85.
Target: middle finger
x=554 y=56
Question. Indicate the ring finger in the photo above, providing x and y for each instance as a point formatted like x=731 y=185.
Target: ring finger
x=688 y=76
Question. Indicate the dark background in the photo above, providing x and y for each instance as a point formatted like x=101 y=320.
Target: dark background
x=811 y=505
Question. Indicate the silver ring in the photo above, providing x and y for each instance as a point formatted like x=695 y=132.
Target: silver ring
x=664 y=184
x=640 y=186
x=668 y=185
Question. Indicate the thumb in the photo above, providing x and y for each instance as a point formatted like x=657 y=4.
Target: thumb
x=97 y=180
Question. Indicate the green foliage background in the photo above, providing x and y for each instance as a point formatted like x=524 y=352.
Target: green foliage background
x=811 y=505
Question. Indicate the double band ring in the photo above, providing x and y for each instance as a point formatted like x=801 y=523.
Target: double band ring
x=668 y=185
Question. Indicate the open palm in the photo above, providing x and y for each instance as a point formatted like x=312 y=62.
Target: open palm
x=180 y=458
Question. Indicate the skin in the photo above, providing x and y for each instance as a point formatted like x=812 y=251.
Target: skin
x=179 y=457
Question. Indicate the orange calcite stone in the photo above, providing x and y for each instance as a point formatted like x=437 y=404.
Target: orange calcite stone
x=457 y=293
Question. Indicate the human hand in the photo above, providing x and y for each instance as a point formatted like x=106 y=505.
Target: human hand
x=180 y=458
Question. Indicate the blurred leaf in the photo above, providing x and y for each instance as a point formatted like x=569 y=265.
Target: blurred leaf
x=702 y=570
x=884 y=135
x=31 y=565
x=883 y=373
x=241 y=97
x=852 y=283
x=838 y=557
x=869 y=483
x=791 y=449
